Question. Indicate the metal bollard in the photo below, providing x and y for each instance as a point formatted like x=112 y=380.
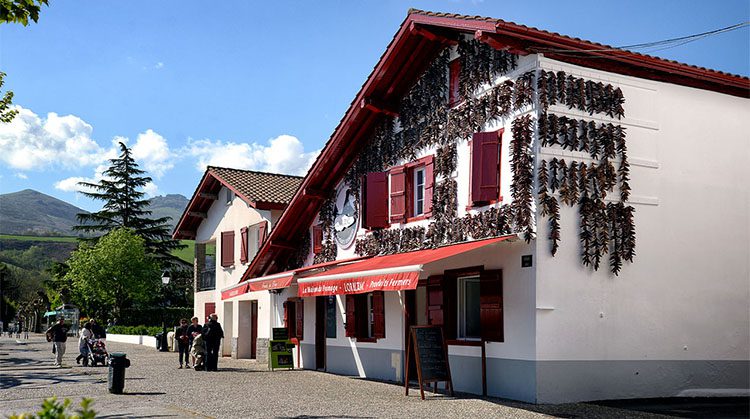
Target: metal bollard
x=117 y=363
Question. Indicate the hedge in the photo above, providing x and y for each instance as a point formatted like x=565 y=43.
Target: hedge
x=152 y=316
x=135 y=330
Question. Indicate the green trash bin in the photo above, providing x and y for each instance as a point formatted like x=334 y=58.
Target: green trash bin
x=118 y=361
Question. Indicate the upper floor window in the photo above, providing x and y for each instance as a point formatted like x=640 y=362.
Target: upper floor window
x=485 y=168
x=229 y=196
x=419 y=179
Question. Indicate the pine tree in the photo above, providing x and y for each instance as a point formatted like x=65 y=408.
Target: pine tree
x=124 y=206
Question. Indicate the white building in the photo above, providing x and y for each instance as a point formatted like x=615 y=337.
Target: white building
x=229 y=216
x=452 y=132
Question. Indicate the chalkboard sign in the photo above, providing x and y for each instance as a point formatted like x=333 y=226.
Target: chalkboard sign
x=431 y=355
x=280 y=333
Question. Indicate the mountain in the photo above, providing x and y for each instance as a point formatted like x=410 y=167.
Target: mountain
x=29 y=212
x=170 y=205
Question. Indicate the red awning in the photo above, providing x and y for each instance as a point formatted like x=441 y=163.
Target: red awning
x=382 y=273
x=275 y=281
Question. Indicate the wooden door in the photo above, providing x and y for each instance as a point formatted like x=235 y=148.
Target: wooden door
x=209 y=308
x=253 y=329
x=320 y=333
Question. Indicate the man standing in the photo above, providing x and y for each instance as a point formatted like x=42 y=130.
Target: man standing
x=212 y=334
x=58 y=334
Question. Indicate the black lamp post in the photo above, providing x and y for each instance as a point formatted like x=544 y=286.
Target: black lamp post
x=164 y=347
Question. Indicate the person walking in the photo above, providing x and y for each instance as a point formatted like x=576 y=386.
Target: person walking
x=83 y=344
x=58 y=335
x=98 y=331
x=212 y=335
x=193 y=330
x=183 y=342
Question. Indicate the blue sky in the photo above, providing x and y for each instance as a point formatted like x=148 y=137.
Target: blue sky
x=253 y=85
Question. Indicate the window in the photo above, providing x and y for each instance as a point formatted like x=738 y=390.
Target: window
x=331 y=316
x=294 y=315
x=317 y=238
x=467 y=303
x=469 y=326
x=418 y=191
x=411 y=190
x=365 y=316
x=229 y=196
x=375 y=196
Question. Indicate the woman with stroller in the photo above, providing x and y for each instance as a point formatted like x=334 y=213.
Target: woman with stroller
x=83 y=344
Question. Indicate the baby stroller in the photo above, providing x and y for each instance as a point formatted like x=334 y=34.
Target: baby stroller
x=98 y=352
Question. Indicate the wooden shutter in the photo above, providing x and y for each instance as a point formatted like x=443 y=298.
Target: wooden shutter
x=351 y=324
x=429 y=183
x=376 y=200
x=454 y=92
x=209 y=308
x=227 y=248
x=243 y=245
x=378 y=315
x=299 y=311
x=262 y=233
x=398 y=194
x=435 y=300
x=317 y=236
x=485 y=167
x=491 y=305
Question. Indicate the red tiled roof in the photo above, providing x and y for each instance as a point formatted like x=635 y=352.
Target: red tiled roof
x=257 y=189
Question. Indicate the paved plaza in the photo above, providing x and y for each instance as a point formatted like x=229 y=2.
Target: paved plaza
x=155 y=388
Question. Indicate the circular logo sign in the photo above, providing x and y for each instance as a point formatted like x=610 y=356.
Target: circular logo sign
x=347 y=216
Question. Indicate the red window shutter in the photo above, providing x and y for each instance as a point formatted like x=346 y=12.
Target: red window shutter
x=210 y=308
x=491 y=305
x=435 y=300
x=351 y=324
x=243 y=245
x=262 y=233
x=454 y=92
x=317 y=236
x=376 y=200
x=429 y=183
x=227 y=248
x=398 y=194
x=299 y=311
x=378 y=315
x=485 y=167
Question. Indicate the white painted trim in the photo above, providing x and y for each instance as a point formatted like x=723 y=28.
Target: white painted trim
x=580 y=155
x=360 y=274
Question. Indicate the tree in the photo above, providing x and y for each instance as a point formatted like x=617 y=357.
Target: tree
x=6 y=114
x=124 y=206
x=20 y=11
x=114 y=274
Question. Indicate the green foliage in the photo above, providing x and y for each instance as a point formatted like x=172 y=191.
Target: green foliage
x=140 y=330
x=124 y=206
x=6 y=114
x=61 y=239
x=20 y=11
x=114 y=274
x=52 y=409
x=186 y=253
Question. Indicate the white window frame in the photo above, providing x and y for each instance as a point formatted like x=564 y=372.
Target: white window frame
x=417 y=187
x=461 y=325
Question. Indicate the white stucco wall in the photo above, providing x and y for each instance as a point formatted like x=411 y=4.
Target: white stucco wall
x=687 y=294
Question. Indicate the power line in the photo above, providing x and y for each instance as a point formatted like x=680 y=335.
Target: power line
x=655 y=45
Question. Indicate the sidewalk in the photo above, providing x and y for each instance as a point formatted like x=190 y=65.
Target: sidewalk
x=154 y=387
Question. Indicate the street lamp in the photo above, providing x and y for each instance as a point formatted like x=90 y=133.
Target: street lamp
x=163 y=347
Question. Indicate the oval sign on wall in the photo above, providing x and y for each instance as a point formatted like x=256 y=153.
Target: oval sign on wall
x=347 y=218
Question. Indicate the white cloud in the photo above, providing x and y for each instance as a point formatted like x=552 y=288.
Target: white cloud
x=152 y=151
x=159 y=65
x=283 y=154
x=21 y=175
x=151 y=189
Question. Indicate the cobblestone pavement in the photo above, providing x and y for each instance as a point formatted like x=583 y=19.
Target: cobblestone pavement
x=155 y=388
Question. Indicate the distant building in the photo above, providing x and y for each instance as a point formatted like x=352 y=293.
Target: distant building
x=229 y=216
